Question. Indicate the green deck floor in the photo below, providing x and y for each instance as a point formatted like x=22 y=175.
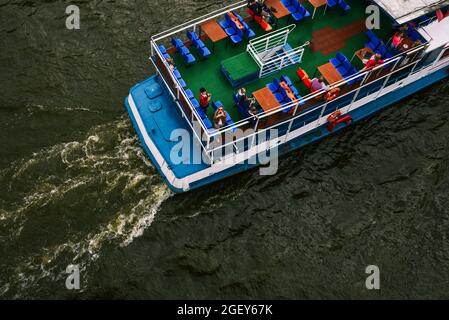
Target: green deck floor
x=207 y=73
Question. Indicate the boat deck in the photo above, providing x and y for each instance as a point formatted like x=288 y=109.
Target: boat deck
x=328 y=34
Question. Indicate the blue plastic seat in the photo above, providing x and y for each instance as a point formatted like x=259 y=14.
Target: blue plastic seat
x=279 y=97
x=207 y=123
x=177 y=43
x=216 y=104
x=182 y=83
x=341 y=57
x=332 y=3
x=347 y=65
x=373 y=44
x=344 y=5
x=339 y=60
x=371 y=35
x=177 y=73
x=283 y=93
x=382 y=50
x=343 y=71
x=224 y=24
x=294 y=90
x=201 y=113
x=231 y=31
x=301 y=12
x=192 y=36
x=189 y=59
x=195 y=103
x=190 y=94
x=204 y=52
x=167 y=56
x=238 y=37
x=289 y=4
x=162 y=49
x=274 y=86
x=287 y=80
x=198 y=44
x=249 y=33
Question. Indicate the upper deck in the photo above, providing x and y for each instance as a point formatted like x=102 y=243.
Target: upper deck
x=331 y=41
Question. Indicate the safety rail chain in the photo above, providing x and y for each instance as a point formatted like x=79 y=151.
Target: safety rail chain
x=322 y=106
x=180 y=91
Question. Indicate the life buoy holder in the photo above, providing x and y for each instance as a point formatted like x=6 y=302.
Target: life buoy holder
x=332 y=94
x=336 y=118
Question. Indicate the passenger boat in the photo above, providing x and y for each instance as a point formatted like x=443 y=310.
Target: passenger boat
x=276 y=59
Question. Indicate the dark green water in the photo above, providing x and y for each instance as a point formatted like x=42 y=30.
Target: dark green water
x=76 y=188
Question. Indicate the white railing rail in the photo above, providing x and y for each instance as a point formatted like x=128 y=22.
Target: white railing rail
x=322 y=106
x=179 y=89
x=313 y=95
x=191 y=125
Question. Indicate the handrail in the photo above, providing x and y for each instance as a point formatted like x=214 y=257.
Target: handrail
x=321 y=92
x=320 y=106
x=179 y=87
x=182 y=111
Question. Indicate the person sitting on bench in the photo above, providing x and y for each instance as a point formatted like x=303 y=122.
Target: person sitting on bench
x=220 y=118
x=398 y=38
x=266 y=13
x=318 y=84
x=253 y=5
x=376 y=60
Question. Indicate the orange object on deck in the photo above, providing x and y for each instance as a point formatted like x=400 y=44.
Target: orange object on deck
x=332 y=94
x=304 y=77
x=236 y=20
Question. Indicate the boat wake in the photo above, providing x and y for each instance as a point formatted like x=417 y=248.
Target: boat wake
x=107 y=172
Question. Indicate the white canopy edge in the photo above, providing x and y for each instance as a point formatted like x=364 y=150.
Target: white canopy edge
x=436 y=33
x=406 y=10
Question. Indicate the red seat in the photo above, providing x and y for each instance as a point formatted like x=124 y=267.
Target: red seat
x=304 y=77
x=265 y=26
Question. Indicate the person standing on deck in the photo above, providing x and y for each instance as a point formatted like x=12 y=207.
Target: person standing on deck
x=205 y=98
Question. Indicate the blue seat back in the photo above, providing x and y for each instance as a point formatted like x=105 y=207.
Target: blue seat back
x=283 y=93
x=371 y=35
x=341 y=57
x=276 y=82
x=347 y=65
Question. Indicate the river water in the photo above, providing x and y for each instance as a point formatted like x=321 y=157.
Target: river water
x=76 y=187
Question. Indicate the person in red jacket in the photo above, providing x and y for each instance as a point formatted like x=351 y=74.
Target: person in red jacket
x=373 y=62
x=205 y=98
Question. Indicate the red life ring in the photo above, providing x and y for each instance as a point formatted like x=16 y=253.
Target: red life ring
x=334 y=117
x=332 y=94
